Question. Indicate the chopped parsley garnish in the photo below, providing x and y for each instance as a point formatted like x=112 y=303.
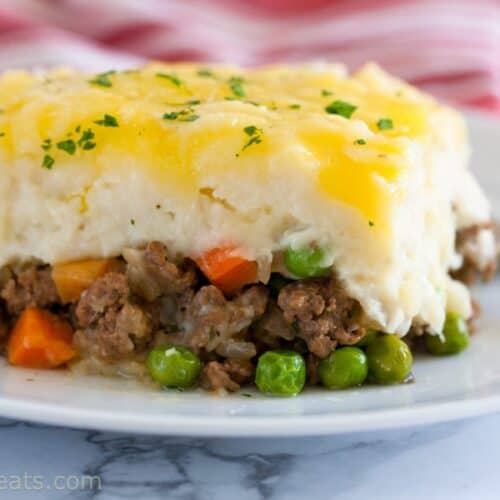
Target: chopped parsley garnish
x=341 y=108
x=171 y=116
x=371 y=223
x=254 y=140
x=86 y=135
x=78 y=128
x=47 y=162
x=206 y=73
x=326 y=93
x=85 y=141
x=385 y=124
x=294 y=106
x=102 y=79
x=2 y=134
x=251 y=130
x=132 y=221
x=192 y=102
x=174 y=79
x=255 y=134
x=182 y=116
x=361 y=142
x=234 y=98
x=69 y=146
x=88 y=145
x=236 y=86
x=107 y=121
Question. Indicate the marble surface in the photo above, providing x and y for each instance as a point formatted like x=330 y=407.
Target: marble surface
x=457 y=460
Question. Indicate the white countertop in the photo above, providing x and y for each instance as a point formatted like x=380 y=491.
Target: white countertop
x=455 y=460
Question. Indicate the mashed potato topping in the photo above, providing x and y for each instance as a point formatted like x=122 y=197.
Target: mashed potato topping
x=364 y=166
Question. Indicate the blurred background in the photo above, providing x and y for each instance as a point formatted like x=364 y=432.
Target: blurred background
x=450 y=48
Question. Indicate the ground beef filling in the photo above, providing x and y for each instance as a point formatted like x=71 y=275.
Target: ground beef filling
x=109 y=324
x=321 y=314
x=31 y=287
x=155 y=300
x=472 y=268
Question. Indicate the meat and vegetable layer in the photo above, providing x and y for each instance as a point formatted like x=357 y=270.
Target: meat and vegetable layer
x=147 y=316
x=225 y=225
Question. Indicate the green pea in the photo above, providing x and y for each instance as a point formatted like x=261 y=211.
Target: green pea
x=368 y=338
x=173 y=366
x=280 y=373
x=456 y=337
x=306 y=262
x=389 y=360
x=343 y=368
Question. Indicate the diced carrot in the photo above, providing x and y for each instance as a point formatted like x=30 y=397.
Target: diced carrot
x=226 y=269
x=72 y=278
x=40 y=340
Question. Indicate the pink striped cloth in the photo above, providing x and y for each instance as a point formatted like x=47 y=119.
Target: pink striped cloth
x=448 y=47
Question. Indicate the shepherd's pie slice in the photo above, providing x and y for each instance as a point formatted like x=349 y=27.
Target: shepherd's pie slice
x=352 y=191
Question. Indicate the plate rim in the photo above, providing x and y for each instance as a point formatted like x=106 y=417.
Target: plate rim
x=248 y=427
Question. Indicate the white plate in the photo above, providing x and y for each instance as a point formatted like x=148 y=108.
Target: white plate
x=445 y=388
